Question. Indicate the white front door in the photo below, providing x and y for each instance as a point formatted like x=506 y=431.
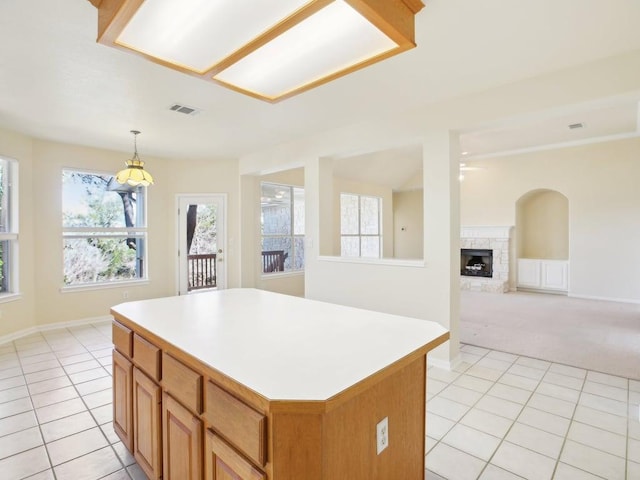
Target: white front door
x=201 y=242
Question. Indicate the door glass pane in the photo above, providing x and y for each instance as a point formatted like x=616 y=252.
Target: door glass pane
x=201 y=229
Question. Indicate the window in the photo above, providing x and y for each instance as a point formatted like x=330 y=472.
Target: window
x=104 y=229
x=360 y=233
x=8 y=227
x=282 y=226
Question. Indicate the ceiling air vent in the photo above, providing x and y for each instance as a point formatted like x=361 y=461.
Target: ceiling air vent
x=176 y=107
x=573 y=126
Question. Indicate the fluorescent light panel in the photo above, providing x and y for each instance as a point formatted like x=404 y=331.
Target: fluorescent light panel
x=313 y=49
x=265 y=48
x=198 y=34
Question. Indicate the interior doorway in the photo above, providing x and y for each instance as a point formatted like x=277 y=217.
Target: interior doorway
x=201 y=242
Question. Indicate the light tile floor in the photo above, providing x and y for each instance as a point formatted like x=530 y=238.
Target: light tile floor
x=497 y=416
x=55 y=408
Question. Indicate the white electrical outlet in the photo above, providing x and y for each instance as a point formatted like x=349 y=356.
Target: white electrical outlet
x=382 y=435
x=125 y=294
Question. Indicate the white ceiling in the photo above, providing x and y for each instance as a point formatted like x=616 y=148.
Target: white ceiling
x=57 y=83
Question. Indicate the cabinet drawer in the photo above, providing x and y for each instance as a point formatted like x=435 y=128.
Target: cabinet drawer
x=236 y=421
x=182 y=382
x=122 y=338
x=146 y=356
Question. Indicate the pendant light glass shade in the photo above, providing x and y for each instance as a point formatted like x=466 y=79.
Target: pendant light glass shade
x=134 y=174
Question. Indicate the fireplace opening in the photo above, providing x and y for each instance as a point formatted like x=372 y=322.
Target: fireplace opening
x=476 y=262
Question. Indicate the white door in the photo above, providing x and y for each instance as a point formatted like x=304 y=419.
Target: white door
x=201 y=242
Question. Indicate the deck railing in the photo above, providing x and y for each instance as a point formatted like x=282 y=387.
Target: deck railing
x=273 y=261
x=202 y=271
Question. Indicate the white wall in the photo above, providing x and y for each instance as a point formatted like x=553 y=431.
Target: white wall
x=40 y=162
x=600 y=183
x=408 y=224
x=422 y=289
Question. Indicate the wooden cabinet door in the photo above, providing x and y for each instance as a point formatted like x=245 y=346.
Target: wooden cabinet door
x=223 y=463
x=147 y=428
x=182 y=441
x=122 y=406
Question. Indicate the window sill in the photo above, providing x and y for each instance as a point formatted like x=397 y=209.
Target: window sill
x=393 y=262
x=10 y=297
x=103 y=286
x=270 y=276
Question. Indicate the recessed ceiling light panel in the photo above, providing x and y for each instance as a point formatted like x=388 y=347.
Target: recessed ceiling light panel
x=310 y=51
x=198 y=34
x=267 y=49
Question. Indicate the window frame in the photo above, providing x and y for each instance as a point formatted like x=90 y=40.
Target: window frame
x=9 y=284
x=361 y=235
x=292 y=235
x=135 y=232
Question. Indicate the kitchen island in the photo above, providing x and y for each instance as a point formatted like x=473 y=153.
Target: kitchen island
x=244 y=384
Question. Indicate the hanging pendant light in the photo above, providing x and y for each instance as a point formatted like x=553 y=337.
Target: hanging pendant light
x=135 y=174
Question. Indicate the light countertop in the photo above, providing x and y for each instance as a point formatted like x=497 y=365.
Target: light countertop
x=282 y=347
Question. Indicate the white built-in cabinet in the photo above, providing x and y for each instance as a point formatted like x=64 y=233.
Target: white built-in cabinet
x=539 y=274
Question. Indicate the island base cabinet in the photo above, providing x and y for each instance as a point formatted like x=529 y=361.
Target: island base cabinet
x=341 y=442
x=147 y=446
x=122 y=406
x=223 y=463
x=182 y=442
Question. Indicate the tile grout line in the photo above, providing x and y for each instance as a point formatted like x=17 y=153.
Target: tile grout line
x=124 y=467
x=566 y=436
x=532 y=392
x=513 y=422
x=80 y=396
x=35 y=414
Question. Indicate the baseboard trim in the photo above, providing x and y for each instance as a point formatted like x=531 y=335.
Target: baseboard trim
x=444 y=364
x=542 y=290
x=52 y=326
x=606 y=299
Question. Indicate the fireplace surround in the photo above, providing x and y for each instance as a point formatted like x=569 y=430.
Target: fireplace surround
x=479 y=239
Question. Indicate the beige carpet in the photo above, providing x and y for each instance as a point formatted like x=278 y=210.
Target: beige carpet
x=591 y=334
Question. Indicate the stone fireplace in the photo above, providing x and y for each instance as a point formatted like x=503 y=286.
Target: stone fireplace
x=484 y=258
